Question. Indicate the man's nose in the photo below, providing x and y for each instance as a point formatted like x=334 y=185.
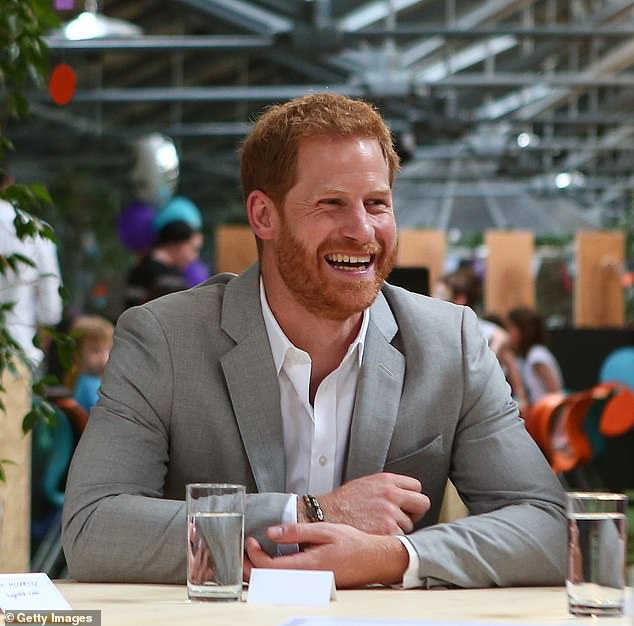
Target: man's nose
x=357 y=223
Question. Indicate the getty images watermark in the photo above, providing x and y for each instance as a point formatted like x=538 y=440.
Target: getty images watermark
x=53 y=617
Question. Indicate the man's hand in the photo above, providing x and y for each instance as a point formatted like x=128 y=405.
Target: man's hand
x=356 y=558
x=380 y=504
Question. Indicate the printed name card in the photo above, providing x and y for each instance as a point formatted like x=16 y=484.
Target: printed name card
x=30 y=592
x=292 y=587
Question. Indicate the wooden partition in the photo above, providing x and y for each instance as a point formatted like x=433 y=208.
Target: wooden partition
x=235 y=248
x=424 y=248
x=599 y=297
x=509 y=278
x=15 y=495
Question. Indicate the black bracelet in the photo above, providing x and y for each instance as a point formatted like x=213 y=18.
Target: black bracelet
x=313 y=510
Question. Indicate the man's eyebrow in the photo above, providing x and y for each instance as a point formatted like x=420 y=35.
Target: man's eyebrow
x=337 y=190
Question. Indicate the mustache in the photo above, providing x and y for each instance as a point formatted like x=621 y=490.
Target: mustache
x=373 y=248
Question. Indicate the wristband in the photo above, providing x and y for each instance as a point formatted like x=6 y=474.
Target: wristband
x=313 y=510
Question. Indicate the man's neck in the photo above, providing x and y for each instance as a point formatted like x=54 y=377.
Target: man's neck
x=325 y=340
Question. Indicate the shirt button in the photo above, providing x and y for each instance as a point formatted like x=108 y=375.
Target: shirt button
x=322 y=460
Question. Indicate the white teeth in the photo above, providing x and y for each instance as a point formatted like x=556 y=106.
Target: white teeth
x=345 y=258
x=349 y=268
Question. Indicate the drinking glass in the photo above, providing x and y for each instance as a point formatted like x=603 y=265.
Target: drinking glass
x=215 y=541
x=597 y=536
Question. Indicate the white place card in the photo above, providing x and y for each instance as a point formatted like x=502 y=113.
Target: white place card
x=292 y=587
x=30 y=592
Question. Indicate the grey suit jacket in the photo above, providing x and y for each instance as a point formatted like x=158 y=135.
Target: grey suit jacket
x=190 y=395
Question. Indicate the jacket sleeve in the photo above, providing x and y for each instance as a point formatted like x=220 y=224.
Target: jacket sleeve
x=516 y=533
x=117 y=526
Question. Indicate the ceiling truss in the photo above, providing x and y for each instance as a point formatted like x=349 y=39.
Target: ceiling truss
x=463 y=79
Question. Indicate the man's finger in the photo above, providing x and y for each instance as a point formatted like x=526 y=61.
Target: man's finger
x=300 y=533
x=407 y=482
x=415 y=505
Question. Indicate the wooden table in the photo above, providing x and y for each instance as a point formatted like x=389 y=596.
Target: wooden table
x=134 y=605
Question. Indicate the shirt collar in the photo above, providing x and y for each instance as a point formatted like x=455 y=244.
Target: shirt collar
x=280 y=343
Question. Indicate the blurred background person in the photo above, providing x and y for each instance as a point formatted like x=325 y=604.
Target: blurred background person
x=161 y=271
x=33 y=290
x=94 y=335
x=464 y=287
x=540 y=370
x=31 y=295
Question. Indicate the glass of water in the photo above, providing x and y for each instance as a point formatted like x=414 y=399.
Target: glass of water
x=597 y=535
x=215 y=541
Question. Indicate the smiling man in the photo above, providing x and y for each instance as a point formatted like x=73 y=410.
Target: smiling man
x=342 y=403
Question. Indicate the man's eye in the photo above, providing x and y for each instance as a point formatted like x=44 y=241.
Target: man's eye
x=334 y=201
x=378 y=203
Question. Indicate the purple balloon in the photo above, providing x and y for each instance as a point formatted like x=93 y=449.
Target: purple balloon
x=195 y=273
x=135 y=226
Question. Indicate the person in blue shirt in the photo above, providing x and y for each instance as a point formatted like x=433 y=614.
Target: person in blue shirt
x=94 y=340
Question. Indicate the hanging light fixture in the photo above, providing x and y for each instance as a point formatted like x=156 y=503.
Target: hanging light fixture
x=90 y=24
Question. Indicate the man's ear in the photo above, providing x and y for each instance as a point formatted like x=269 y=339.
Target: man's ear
x=262 y=214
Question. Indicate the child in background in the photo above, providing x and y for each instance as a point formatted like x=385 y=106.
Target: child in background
x=463 y=287
x=94 y=340
x=540 y=370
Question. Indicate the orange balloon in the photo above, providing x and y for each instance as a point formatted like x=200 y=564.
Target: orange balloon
x=62 y=84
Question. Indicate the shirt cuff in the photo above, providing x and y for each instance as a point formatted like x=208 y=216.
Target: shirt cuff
x=411 y=579
x=289 y=516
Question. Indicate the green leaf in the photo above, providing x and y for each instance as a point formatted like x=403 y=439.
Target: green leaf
x=47 y=232
x=23 y=259
x=64 y=294
x=3 y=475
x=24 y=227
x=50 y=379
x=18 y=105
x=39 y=386
x=41 y=192
x=36 y=341
x=29 y=421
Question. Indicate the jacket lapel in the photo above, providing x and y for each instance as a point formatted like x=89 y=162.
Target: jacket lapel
x=252 y=382
x=378 y=395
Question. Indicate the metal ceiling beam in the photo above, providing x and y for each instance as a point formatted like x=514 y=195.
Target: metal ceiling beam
x=372 y=12
x=237 y=43
x=535 y=79
x=464 y=32
x=205 y=94
x=284 y=92
x=605 y=68
x=256 y=20
x=164 y=43
x=243 y=14
x=467 y=57
x=88 y=127
x=534 y=100
x=473 y=19
x=613 y=140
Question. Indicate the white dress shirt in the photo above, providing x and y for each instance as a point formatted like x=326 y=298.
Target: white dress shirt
x=33 y=290
x=316 y=436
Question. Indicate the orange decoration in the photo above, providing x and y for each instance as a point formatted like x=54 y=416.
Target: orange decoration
x=62 y=84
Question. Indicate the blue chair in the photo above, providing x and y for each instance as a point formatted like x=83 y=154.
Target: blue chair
x=53 y=445
x=618 y=366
